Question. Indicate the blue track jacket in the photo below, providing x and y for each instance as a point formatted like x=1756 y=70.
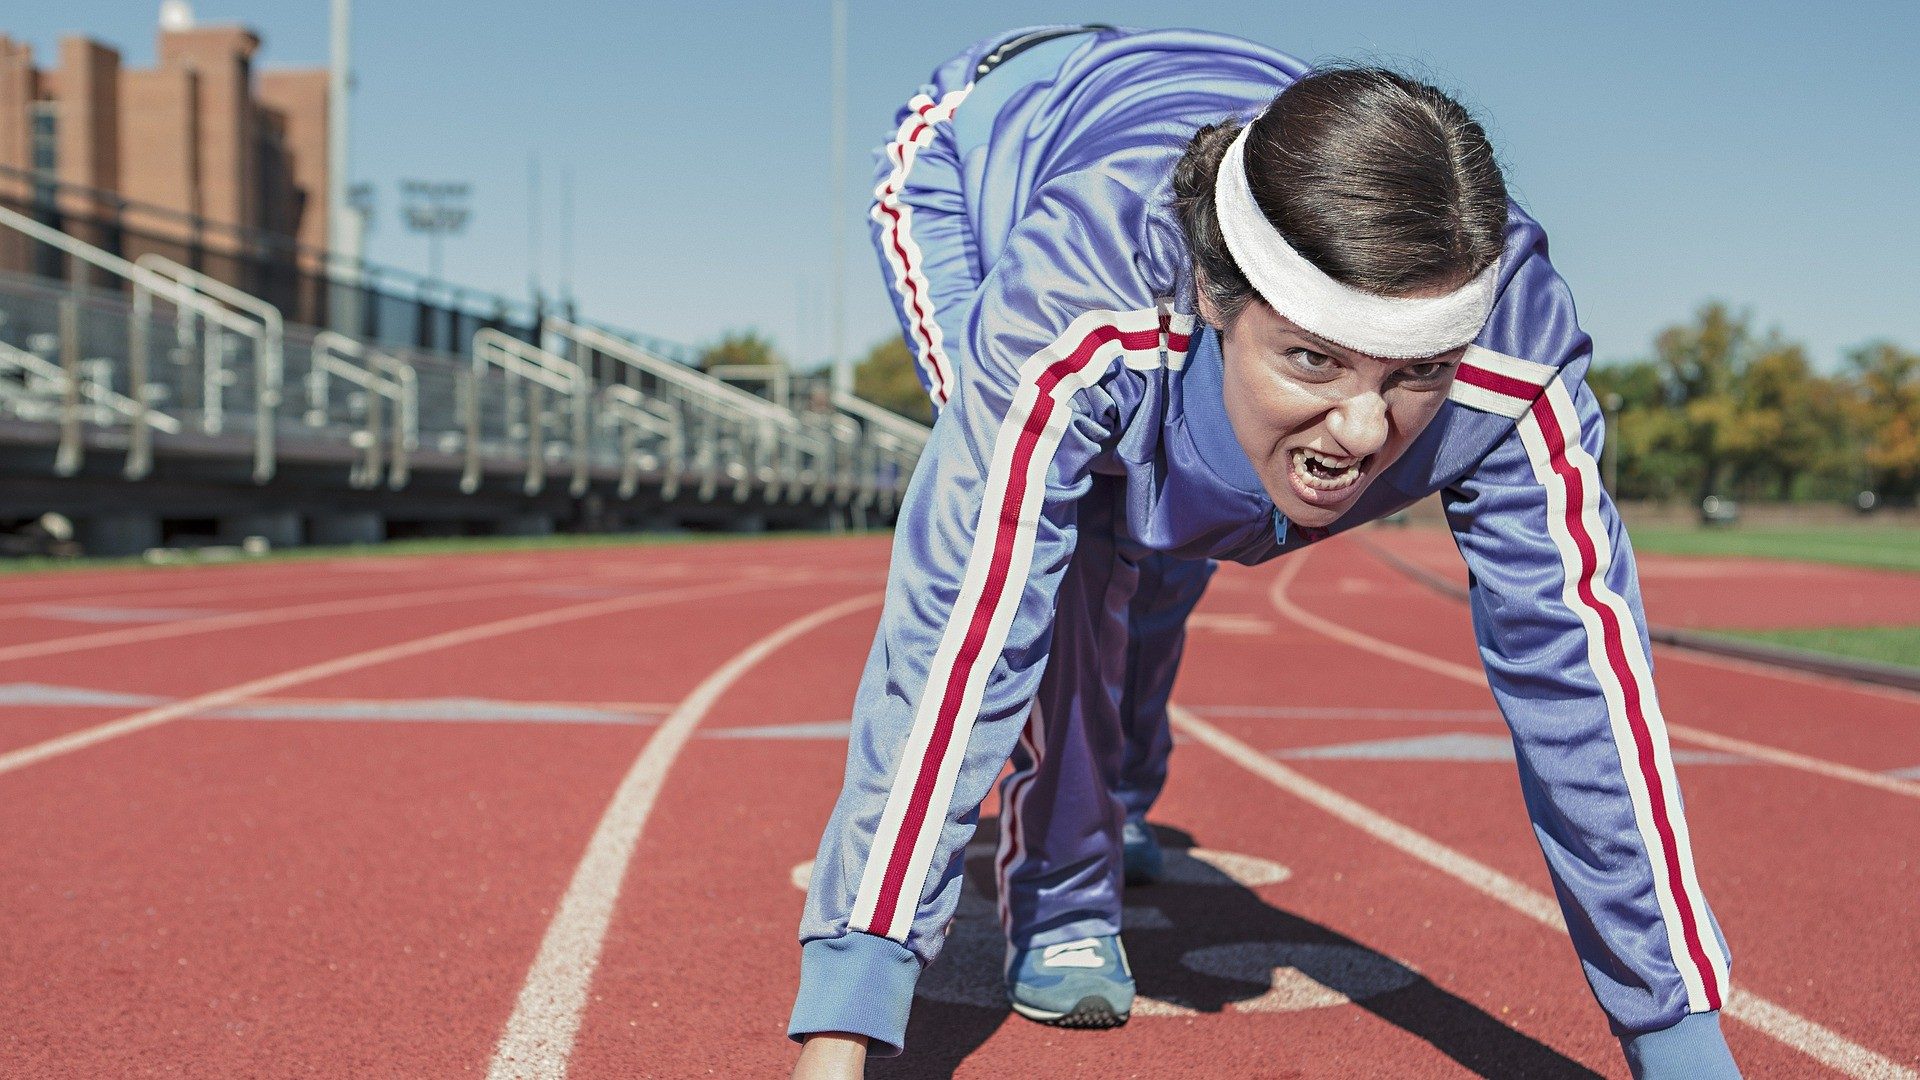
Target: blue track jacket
x=1045 y=283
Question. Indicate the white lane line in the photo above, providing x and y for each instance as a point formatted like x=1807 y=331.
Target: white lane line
x=1773 y=755
x=354 y=606
x=217 y=699
x=538 y=1040
x=1821 y=1043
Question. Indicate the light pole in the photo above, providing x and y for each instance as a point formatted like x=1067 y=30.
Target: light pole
x=842 y=365
x=346 y=225
x=436 y=208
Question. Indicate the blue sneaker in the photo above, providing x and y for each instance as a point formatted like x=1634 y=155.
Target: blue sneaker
x=1076 y=984
x=1140 y=853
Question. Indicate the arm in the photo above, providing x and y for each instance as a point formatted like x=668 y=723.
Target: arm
x=985 y=534
x=1556 y=607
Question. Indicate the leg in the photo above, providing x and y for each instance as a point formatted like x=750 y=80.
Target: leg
x=1156 y=637
x=1058 y=863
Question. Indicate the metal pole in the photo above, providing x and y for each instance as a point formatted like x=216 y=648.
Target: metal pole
x=344 y=225
x=842 y=366
x=533 y=227
x=566 y=241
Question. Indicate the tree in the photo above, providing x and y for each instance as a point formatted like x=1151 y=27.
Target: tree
x=886 y=377
x=1788 y=422
x=1647 y=436
x=1702 y=362
x=746 y=347
x=1886 y=414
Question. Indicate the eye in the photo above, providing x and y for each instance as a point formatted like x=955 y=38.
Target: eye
x=1309 y=362
x=1427 y=373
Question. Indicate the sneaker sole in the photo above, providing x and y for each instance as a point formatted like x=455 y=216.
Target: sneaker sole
x=1091 y=1012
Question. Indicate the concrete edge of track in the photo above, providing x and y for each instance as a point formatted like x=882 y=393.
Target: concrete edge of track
x=1780 y=656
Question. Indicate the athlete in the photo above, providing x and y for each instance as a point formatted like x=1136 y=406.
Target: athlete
x=1179 y=317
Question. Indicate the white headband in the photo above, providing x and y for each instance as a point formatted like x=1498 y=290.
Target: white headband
x=1387 y=326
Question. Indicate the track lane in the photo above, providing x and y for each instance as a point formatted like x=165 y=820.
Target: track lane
x=387 y=880
x=1719 y=592
x=1874 y=732
x=1814 y=866
x=703 y=938
x=539 y=1036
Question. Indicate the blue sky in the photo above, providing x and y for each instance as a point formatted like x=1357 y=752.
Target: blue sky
x=1763 y=153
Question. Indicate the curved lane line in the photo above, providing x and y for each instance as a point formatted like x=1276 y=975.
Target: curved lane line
x=1772 y=755
x=1821 y=1043
x=140 y=721
x=538 y=1040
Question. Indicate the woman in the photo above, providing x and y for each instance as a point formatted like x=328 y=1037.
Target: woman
x=1170 y=315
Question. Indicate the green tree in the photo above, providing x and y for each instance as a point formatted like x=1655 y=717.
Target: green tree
x=886 y=377
x=1788 y=422
x=747 y=347
x=1702 y=363
x=1886 y=417
x=1645 y=433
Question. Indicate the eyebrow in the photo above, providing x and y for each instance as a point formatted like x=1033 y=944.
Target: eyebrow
x=1331 y=349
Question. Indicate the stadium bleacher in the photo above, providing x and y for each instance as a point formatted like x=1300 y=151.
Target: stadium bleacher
x=146 y=399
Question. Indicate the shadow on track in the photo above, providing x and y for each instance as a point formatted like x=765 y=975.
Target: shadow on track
x=1220 y=947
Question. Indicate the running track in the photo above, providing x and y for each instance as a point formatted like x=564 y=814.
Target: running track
x=540 y=814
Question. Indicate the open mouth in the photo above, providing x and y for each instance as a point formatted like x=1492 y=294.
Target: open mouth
x=1326 y=472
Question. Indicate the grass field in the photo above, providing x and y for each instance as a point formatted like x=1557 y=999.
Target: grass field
x=435 y=546
x=1886 y=644
x=1878 y=547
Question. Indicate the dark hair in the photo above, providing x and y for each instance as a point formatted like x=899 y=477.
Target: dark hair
x=1384 y=183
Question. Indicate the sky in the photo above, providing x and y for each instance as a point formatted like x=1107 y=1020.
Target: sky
x=1765 y=154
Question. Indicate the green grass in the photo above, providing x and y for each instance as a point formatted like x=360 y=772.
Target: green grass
x=1876 y=546
x=456 y=545
x=1887 y=644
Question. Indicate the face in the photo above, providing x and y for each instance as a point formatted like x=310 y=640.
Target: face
x=1320 y=421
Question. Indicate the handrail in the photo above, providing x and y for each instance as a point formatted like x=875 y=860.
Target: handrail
x=638 y=357
x=778 y=379
x=882 y=417
x=333 y=356
x=146 y=280
x=269 y=360
x=20 y=359
x=641 y=413
x=543 y=369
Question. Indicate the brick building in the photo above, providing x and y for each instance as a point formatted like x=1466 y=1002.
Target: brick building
x=199 y=149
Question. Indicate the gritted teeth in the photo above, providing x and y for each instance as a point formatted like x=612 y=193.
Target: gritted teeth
x=1326 y=472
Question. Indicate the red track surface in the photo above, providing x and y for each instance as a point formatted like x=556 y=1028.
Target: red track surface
x=218 y=897
x=1691 y=591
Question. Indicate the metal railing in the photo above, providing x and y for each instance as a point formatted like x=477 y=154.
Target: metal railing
x=379 y=376
x=637 y=417
x=526 y=372
x=893 y=444
x=70 y=396
x=187 y=301
x=116 y=341
x=733 y=435
x=269 y=354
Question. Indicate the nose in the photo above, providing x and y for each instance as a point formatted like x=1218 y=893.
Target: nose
x=1360 y=423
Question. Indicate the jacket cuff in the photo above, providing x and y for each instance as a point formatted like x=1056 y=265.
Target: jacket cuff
x=1693 y=1049
x=858 y=983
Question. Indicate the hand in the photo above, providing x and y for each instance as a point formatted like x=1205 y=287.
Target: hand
x=832 y=1055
